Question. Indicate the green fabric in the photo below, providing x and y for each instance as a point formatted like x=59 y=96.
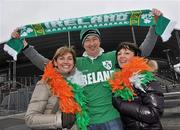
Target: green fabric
x=16 y=44
x=162 y=22
x=13 y=47
x=82 y=118
x=99 y=96
x=148 y=77
x=125 y=94
x=127 y=18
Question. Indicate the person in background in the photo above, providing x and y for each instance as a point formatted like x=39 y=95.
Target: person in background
x=97 y=68
x=142 y=106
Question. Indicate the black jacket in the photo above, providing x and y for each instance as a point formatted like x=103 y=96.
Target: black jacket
x=144 y=112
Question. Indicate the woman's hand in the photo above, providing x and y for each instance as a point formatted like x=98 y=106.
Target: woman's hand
x=68 y=120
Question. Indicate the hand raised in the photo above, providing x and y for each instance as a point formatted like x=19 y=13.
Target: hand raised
x=156 y=12
x=15 y=33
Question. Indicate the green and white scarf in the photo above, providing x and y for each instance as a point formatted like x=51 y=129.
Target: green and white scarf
x=164 y=26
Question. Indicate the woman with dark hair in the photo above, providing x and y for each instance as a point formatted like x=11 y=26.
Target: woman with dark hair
x=137 y=93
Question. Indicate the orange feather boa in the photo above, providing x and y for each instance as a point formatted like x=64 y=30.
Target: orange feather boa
x=61 y=89
x=121 y=78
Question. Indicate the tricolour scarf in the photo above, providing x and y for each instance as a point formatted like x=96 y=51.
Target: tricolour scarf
x=71 y=97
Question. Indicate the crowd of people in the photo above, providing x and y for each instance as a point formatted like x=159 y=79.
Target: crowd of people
x=98 y=91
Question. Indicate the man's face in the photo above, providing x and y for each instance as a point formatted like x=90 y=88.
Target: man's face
x=92 y=45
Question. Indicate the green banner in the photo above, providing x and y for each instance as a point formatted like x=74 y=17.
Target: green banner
x=163 y=28
x=128 y=18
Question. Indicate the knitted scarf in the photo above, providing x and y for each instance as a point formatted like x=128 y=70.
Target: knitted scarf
x=163 y=28
x=71 y=97
x=136 y=73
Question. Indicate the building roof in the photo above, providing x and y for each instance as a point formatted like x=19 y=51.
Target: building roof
x=47 y=45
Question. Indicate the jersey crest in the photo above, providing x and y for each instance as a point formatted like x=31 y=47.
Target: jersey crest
x=107 y=64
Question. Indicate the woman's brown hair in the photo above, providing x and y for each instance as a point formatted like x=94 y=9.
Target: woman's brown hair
x=63 y=50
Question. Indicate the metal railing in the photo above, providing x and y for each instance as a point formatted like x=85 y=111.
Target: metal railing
x=15 y=95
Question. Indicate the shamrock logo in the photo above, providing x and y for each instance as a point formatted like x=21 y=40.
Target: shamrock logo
x=25 y=31
x=147 y=17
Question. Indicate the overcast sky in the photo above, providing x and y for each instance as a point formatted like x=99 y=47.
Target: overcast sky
x=14 y=13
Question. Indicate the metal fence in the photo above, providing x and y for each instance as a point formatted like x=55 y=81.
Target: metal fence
x=15 y=95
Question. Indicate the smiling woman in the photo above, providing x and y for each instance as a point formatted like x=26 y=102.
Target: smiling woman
x=137 y=93
x=64 y=60
x=59 y=92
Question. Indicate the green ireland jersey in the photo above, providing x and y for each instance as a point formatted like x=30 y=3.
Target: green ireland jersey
x=96 y=72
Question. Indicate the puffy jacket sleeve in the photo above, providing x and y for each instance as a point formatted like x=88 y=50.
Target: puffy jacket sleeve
x=36 y=58
x=149 y=110
x=149 y=42
x=39 y=114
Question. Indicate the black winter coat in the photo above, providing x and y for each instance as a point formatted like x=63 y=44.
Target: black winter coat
x=145 y=111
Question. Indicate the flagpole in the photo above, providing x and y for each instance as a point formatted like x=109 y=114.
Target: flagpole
x=133 y=34
x=69 y=39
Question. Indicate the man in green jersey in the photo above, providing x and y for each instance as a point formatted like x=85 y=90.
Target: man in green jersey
x=97 y=67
